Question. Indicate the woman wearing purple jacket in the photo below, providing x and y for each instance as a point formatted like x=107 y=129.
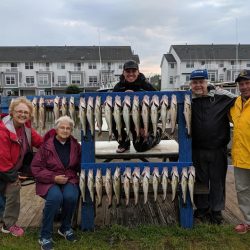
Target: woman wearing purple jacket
x=55 y=168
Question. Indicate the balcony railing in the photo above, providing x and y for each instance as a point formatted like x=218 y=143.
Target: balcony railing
x=27 y=85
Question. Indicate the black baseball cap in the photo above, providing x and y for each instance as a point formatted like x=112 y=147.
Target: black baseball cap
x=131 y=64
x=243 y=75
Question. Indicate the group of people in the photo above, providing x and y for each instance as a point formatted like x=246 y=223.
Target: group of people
x=56 y=164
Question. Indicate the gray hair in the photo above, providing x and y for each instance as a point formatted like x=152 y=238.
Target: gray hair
x=63 y=119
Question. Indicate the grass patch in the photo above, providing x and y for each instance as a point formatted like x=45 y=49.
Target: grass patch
x=202 y=237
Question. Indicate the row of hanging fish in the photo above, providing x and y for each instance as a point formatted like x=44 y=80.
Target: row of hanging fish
x=150 y=111
x=133 y=180
x=60 y=108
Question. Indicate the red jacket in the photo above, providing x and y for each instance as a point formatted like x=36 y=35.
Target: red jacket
x=9 y=145
x=46 y=164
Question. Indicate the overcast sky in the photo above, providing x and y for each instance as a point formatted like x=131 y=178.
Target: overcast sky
x=150 y=27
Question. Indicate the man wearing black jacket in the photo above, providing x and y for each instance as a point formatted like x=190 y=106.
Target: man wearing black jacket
x=210 y=136
x=132 y=80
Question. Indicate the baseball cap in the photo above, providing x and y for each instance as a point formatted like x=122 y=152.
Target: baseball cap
x=199 y=74
x=131 y=64
x=244 y=74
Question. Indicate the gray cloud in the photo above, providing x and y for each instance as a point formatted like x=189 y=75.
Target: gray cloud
x=149 y=27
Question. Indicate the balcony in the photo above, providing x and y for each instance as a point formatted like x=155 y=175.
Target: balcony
x=27 y=85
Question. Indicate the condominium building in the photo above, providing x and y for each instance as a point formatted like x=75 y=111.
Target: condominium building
x=223 y=62
x=45 y=70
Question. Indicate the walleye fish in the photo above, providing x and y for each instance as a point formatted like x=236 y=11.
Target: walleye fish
x=187 y=113
x=72 y=112
x=83 y=115
x=164 y=182
x=156 y=180
x=64 y=107
x=90 y=116
x=56 y=108
x=108 y=114
x=35 y=112
x=90 y=183
x=82 y=184
x=173 y=113
x=164 y=111
x=174 y=181
x=145 y=183
x=184 y=184
x=108 y=186
x=154 y=113
x=191 y=181
x=98 y=113
x=117 y=185
x=42 y=114
x=98 y=186
x=126 y=183
x=145 y=114
x=136 y=116
x=136 y=183
x=126 y=114
x=118 y=116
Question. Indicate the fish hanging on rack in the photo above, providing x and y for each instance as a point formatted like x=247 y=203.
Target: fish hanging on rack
x=82 y=184
x=187 y=113
x=191 y=181
x=136 y=116
x=108 y=114
x=98 y=186
x=90 y=184
x=118 y=116
x=64 y=106
x=90 y=115
x=173 y=113
x=117 y=185
x=174 y=181
x=164 y=182
x=126 y=114
x=83 y=115
x=184 y=184
x=108 y=186
x=35 y=112
x=126 y=184
x=42 y=113
x=164 y=111
x=145 y=115
x=136 y=183
x=145 y=183
x=156 y=180
x=56 y=108
x=72 y=112
x=98 y=113
x=154 y=113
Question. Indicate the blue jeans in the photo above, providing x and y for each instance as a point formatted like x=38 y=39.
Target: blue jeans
x=65 y=196
x=2 y=206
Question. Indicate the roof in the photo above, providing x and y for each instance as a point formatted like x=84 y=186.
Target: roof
x=212 y=51
x=65 y=53
x=170 y=58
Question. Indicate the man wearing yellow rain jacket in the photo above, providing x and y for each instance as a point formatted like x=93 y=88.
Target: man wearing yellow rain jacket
x=240 y=114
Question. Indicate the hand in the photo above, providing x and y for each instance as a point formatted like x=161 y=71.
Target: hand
x=129 y=90
x=61 y=179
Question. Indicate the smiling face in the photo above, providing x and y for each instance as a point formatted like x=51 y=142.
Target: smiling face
x=20 y=114
x=131 y=75
x=63 y=131
x=199 y=86
x=244 y=87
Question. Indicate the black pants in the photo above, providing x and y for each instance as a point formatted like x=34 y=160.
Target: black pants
x=141 y=145
x=211 y=169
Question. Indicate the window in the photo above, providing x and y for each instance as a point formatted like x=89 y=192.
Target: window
x=43 y=79
x=13 y=65
x=61 y=80
x=187 y=78
x=77 y=66
x=211 y=77
x=92 y=80
x=172 y=65
x=109 y=65
x=171 y=80
x=221 y=65
x=30 y=80
x=10 y=80
x=76 y=79
x=61 y=66
x=47 y=66
x=92 y=65
x=221 y=77
x=232 y=62
x=248 y=65
x=29 y=65
x=203 y=62
x=189 y=65
x=120 y=66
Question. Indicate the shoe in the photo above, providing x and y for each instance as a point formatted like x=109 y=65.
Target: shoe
x=122 y=149
x=68 y=235
x=14 y=230
x=242 y=228
x=216 y=217
x=46 y=244
x=158 y=135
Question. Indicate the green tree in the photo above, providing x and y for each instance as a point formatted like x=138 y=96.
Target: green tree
x=155 y=80
x=73 y=89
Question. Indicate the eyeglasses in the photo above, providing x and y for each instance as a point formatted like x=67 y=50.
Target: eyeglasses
x=65 y=128
x=22 y=112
